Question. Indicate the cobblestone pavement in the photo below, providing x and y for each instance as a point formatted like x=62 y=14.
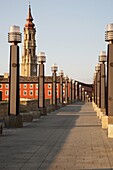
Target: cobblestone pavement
x=68 y=139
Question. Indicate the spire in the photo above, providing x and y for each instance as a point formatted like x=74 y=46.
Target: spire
x=29 y=23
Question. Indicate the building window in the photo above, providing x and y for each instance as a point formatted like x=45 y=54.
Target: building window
x=6 y=92
x=36 y=92
x=49 y=86
x=36 y=86
x=31 y=92
x=0 y=86
x=7 y=86
x=25 y=93
x=25 y=86
x=31 y=86
x=49 y=92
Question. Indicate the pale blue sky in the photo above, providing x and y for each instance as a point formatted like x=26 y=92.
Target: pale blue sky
x=70 y=32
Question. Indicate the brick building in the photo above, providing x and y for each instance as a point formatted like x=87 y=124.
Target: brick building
x=29 y=87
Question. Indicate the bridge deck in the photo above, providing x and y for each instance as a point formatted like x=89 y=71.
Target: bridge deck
x=68 y=139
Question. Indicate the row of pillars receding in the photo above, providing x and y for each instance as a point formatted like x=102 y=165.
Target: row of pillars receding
x=75 y=89
x=103 y=84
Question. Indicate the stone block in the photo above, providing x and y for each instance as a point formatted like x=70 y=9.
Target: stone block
x=110 y=130
x=95 y=108
x=98 y=112
x=103 y=111
x=36 y=114
x=52 y=108
x=13 y=121
x=100 y=115
x=110 y=119
x=104 y=122
x=26 y=117
x=43 y=111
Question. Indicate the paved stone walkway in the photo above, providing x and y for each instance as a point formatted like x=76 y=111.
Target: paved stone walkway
x=69 y=139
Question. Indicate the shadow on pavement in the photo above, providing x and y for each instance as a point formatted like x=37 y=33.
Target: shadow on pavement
x=35 y=146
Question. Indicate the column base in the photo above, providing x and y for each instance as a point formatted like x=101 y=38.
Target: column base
x=13 y=121
x=110 y=131
x=26 y=117
x=70 y=101
x=43 y=111
x=55 y=107
x=36 y=114
x=110 y=120
x=62 y=104
x=104 y=122
x=52 y=108
x=98 y=112
x=100 y=115
x=94 y=107
x=103 y=111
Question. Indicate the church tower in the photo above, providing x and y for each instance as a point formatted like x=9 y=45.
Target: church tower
x=29 y=58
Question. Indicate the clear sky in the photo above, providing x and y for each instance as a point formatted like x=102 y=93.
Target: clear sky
x=70 y=32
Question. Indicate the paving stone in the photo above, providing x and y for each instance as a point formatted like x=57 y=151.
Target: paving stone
x=68 y=139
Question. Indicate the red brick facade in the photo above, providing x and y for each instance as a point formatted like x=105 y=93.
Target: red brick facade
x=29 y=88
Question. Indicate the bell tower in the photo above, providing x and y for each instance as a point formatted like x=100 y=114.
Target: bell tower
x=29 y=58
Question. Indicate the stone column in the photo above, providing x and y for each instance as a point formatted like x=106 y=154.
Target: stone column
x=61 y=86
x=41 y=89
x=14 y=119
x=66 y=90
x=73 y=91
x=109 y=110
x=102 y=60
x=80 y=92
x=70 y=90
x=54 y=69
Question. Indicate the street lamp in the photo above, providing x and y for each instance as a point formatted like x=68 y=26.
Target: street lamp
x=73 y=90
x=97 y=68
x=14 y=119
x=70 y=90
x=95 y=88
x=80 y=92
x=109 y=108
x=76 y=91
x=66 y=89
x=83 y=94
x=102 y=60
x=54 y=69
x=61 y=74
x=41 y=91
